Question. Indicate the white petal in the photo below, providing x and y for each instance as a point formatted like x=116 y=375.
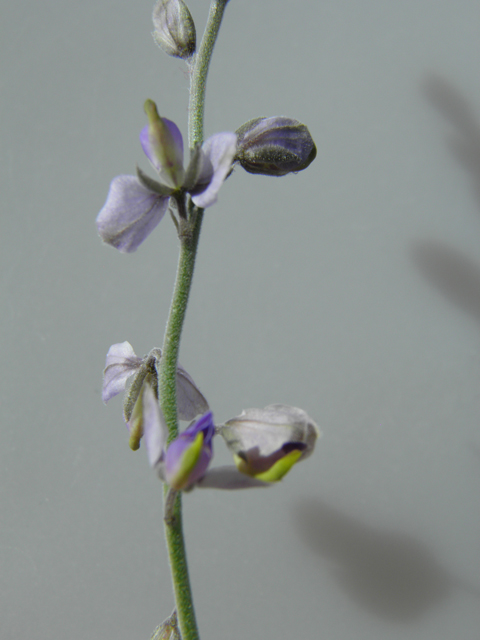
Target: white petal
x=229 y=477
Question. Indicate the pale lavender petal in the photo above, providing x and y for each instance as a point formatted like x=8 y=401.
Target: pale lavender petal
x=229 y=477
x=256 y=435
x=130 y=213
x=155 y=429
x=190 y=401
x=220 y=150
x=148 y=148
x=199 y=173
x=121 y=363
x=262 y=436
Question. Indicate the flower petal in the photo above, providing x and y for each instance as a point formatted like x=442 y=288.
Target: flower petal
x=121 y=363
x=229 y=477
x=189 y=455
x=155 y=429
x=130 y=213
x=190 y=401
x=220 y=150
x=172 y=141
x=266 y=443
x=270 y=429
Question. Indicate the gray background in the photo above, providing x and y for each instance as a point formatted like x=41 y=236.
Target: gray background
x=351 y=290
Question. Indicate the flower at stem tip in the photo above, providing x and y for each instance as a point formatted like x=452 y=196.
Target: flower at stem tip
x=136 y=204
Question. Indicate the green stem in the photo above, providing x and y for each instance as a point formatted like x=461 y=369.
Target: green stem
x=200 y=72
x=173 y=331
x=179 y=570
x=176 y=318
x=167 y=388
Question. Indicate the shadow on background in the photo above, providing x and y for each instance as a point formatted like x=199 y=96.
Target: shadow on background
x=451 y=273
x=390 y=574
x=465 y=144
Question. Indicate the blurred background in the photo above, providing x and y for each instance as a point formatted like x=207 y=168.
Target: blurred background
x=351 y=290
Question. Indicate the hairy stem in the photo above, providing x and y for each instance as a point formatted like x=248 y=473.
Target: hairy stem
x=200 y=72
x=173 y=331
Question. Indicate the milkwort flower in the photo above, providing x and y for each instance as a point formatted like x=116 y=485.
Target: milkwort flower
x=122 y=363
x=186 y=459
x=135 y=205
x=266 y=443
x=184 y=463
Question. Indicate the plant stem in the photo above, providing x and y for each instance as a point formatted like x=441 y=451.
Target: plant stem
x=167 y=387
x=173 y=331
x=200 y=72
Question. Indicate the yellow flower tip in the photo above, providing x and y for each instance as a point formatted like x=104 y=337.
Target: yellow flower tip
x=242 y=465
x=135 y=424
x=151 y=110
x=136 y=433
x=188 y=462
x=277 y=470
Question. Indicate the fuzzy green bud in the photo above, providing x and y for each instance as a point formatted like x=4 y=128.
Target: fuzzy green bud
x=174 y=29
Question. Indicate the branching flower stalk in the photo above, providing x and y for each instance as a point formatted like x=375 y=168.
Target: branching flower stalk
x=265 y=443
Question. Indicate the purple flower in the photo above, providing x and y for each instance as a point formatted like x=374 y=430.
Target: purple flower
x=135 y=205
x=122 y=363
x=188 y=456
x=186 y=459
x=184 y=463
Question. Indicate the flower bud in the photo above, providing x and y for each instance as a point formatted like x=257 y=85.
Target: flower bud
x=266 y=443
x=174 y=28
x=162 y=142
x=141 y=412
x=274 y=146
